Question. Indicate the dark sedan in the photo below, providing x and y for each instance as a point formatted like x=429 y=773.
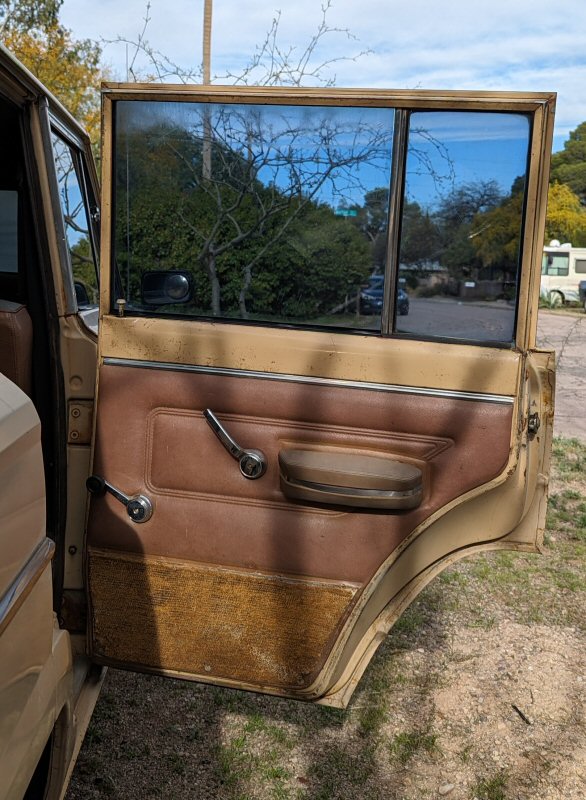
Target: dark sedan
x=371 y=297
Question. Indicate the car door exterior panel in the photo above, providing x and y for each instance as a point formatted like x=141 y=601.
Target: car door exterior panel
x=231 y=580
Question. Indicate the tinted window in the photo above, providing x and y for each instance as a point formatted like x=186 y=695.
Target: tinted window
x=77 y=226
x=280 y=214
x=462 y=224
x=273 y=211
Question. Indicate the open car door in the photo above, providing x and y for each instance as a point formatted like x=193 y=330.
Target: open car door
x=318 y=383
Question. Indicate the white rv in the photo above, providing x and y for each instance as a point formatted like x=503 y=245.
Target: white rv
x=562 y=269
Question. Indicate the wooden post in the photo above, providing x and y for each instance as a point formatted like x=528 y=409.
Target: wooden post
x=207 y=77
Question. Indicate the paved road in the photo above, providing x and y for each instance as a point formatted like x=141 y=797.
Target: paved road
x=440 y=316
x=566 y=334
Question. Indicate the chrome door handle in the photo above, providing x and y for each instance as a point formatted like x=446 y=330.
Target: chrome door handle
x=252 y=463
x=138 y=507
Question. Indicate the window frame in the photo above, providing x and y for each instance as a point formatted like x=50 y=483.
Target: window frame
x=537 y=106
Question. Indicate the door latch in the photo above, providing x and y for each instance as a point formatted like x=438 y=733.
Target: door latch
x=533 y=424
x=138 y=507
x=252 y=463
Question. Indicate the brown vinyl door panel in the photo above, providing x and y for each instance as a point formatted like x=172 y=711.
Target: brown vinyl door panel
x=229 y=580
x=418 y=421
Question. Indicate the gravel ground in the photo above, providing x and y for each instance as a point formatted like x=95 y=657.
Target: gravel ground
x=478 y=692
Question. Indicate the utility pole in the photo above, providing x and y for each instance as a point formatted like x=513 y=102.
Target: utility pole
x=207 y=41
x=207 y=78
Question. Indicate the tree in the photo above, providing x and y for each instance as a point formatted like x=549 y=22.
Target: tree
x=28 y=15
x=257 y=216
x=569 y=165
x=421 y=239
x=566 y=217
x=68 y=67
x=458 y=223
x=372 y=219
x=497 y=238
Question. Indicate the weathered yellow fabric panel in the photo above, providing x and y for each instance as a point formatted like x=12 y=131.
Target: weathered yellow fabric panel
x=172 y=615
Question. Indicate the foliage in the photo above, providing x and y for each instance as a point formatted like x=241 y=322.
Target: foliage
x=372 y=221
x=569 y=165
x=28 y=15
x=498 y=238
x=68 y=67
x=421 y=237
x=458 y=218
x=253 y=248
x=566 y=217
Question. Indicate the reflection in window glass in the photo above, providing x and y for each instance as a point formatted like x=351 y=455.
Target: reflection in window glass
x=462 y=224
x=555 y=264
x=77 y=228
x=276 y=213
x=8 y=231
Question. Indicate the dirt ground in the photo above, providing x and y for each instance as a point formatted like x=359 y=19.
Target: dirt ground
x=478 y=692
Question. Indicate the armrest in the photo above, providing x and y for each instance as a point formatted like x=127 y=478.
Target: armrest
x=350 y=479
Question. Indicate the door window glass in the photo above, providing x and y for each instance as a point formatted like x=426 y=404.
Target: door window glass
x=73 y=200
x=274 y=213
x=462 y=223
x=279 y=214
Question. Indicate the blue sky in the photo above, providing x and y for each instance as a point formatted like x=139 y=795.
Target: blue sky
x=526 y=45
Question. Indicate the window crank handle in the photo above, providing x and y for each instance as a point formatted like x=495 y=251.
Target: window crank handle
x=252 y=463
x=138 y=507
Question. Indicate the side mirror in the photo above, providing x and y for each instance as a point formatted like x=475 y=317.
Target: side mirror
x=166 y=287
x=82 y=295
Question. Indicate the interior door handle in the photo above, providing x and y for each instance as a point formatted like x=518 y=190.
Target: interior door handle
x=252 y=463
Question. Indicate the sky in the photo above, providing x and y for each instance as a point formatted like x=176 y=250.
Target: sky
x=524 y=45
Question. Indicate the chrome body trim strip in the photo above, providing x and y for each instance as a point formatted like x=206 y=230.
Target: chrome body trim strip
x=20 y=587
x=307 y=379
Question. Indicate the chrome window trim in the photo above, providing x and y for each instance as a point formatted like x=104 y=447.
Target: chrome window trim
x=21 y=586
x=307 y=379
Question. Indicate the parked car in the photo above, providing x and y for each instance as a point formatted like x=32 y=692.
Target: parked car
x=250 y=499
x=372 y=297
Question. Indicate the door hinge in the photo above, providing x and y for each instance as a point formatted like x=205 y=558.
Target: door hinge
x=79 y=421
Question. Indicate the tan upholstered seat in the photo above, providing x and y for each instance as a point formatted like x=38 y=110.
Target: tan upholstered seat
x=16 y=344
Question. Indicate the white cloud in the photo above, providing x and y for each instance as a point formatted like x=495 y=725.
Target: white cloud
x=527 y=45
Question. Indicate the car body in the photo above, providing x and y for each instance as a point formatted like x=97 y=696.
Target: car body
x=269 y=487
x=372 y=297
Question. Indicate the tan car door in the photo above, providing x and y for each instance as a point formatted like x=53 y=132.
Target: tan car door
x=318 y=383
